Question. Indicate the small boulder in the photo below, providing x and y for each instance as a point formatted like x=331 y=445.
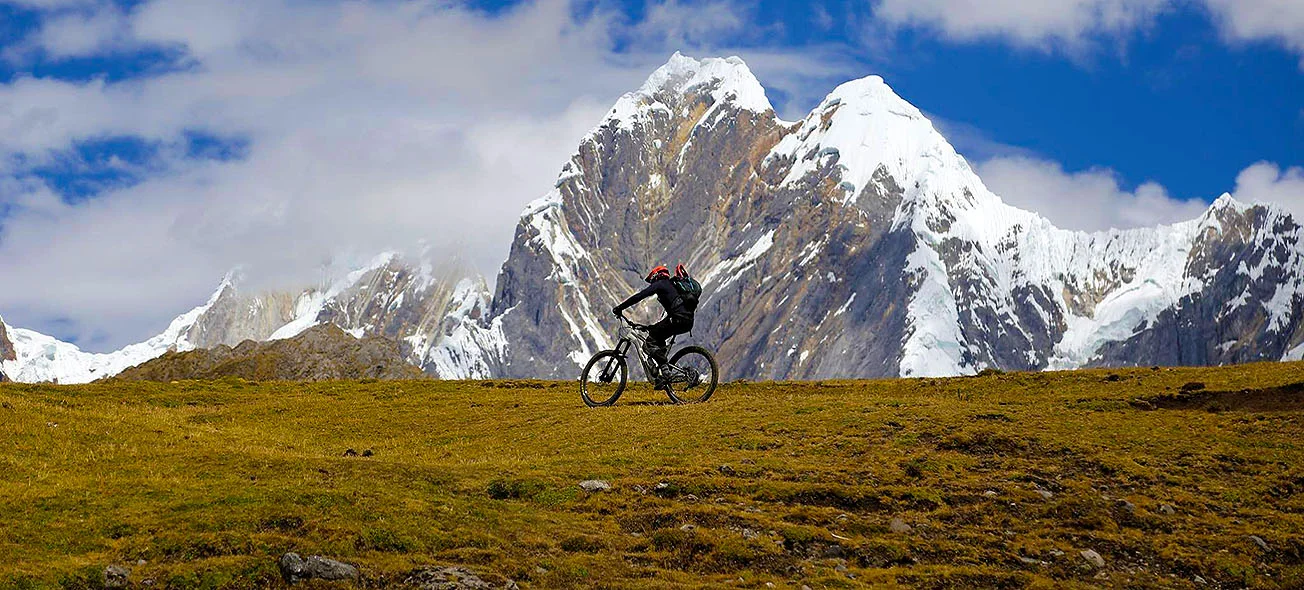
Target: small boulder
x=116 y=576
x=898 y=526
x=296 y=569
x=1260 y=543
x=594 y=485
x=1093 y=559
x=726 y=470
x=1126 y=506
x=1167 y=510
x=1045 y=494
x=990 y=493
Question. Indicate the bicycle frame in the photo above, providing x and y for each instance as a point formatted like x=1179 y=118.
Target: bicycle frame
x=628 y=334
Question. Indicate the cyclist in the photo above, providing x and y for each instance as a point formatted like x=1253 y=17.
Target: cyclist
x=678 y=320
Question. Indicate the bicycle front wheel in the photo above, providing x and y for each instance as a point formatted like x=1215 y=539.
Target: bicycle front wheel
x=603 y=379
x=693 y=375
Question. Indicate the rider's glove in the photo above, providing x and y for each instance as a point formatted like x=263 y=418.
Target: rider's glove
x=615 y=311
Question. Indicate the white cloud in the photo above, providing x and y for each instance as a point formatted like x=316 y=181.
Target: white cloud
x=1073 y=25
x=1029 y=23
x=1280 y=21
x=1265 y=182
x=367 y=126
x=1088 y=200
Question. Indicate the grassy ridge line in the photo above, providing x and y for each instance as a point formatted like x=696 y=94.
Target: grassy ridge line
x=788 y=483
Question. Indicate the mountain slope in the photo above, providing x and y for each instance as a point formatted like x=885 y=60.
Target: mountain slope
x=858 y=243
x=427 y=309
x=322 y=352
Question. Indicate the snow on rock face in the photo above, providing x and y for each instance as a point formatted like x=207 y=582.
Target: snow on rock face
x=941 y=276
x=40 y=358
x=724 y=80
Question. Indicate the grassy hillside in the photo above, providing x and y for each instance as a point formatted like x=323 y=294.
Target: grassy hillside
x=1002 y=479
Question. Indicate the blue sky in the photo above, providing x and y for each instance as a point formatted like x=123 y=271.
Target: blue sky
x=148 y=147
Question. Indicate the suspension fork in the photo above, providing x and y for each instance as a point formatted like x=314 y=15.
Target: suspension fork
x=622 y=348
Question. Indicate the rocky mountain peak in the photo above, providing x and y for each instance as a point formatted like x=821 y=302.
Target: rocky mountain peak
x=725 y=79
x=872 y=140
x=6 y=346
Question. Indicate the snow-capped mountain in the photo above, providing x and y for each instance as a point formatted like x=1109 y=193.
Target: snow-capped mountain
x=858 y=243
x=853 y=243
x=424 y=307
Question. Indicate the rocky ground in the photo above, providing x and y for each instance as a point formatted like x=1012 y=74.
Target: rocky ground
x=320 y=353
x=1139 y=478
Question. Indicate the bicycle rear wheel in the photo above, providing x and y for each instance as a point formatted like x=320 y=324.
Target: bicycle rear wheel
x=693 y=375
x=603 y=379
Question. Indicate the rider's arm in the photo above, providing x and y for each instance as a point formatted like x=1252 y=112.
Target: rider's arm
x=635 y=298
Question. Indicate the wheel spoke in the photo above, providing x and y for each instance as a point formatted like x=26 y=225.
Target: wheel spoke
x=603 y=379
x=693 y=375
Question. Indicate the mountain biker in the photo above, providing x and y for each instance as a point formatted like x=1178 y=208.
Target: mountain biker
x=678 y=320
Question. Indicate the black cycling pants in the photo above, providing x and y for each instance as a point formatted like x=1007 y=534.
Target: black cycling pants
x=661 y=331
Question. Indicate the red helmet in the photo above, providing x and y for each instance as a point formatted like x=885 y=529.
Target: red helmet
x=659 y=272
x=680 y=271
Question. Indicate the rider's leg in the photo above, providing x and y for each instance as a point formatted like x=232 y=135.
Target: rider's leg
x=655 y=347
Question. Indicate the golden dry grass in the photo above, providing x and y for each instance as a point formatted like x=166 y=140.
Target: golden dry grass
x=786 y=483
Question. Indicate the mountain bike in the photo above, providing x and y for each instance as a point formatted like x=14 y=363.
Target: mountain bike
x=689 y=377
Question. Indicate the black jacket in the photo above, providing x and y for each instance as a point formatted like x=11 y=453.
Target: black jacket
x=667 y=296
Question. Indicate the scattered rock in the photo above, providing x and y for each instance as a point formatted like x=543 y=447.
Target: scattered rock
x=296 y=569
x=368 y=453
x=1125 y=505
x=688 y=528
x=1166 y=510
x=1260 y=542
x=1030 y=561
x=990 y=493
x=1045 y=494
x=898 y=526
x=769 y=584
x=841 y=568
x=1192 y=386
x=116 y=576
x=1113 y=377
x=452 y=578
x=1199 y=580
x=594 y=485
x=350 y=453
x=1093 y=559
x=726 y=470
x=691 y=498
x=843 y=517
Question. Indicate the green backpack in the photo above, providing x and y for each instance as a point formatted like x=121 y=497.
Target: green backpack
x=690 y=291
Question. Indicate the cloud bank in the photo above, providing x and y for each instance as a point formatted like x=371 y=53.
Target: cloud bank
x=299 y=137
x=1074 y=25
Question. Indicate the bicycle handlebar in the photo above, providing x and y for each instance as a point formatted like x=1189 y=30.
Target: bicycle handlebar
x=632 y=323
